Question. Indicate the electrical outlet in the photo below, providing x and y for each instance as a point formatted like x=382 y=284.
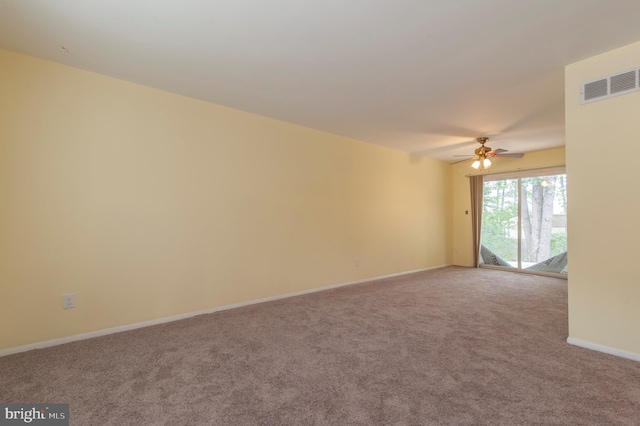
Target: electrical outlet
x=357 y=262
x=69 y=301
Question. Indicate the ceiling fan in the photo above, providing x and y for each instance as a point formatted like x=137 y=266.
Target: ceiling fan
x=484 y=153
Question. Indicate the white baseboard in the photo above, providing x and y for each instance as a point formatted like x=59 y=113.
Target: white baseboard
x=605 y=349
x=127 y=327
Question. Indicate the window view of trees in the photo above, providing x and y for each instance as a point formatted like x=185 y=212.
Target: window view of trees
x=500 y=218
x=544 y=219
x=543 y=222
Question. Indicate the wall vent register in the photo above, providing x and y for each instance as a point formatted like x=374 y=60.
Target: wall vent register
x=613 y=85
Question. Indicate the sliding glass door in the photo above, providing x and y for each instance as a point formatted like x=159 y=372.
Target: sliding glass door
x=524 y=221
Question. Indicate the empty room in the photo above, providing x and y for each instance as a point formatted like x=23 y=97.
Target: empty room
x=319 y=213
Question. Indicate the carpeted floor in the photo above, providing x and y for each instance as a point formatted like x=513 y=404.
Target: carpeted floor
x=450 y=346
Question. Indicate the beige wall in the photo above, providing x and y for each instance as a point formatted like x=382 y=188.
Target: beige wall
x=602 y=143
x=147 y=204
x=462 y=242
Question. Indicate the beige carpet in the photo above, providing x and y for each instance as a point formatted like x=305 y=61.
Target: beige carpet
x=451 y=346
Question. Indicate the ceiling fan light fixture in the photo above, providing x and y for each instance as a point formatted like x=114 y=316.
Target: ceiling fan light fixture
x=482 y=162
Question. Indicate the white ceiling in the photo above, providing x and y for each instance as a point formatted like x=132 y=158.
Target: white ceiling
x=423 y=76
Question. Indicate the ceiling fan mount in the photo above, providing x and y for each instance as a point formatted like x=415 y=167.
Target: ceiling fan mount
x=483 y=149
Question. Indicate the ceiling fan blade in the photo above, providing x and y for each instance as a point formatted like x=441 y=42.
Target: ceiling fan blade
x=496 y=151
x=461 y=161
x=510 y=155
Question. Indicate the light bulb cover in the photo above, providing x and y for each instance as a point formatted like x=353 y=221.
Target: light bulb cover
x=476 y=164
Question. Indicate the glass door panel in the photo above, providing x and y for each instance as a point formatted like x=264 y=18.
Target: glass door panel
x=544 y=223
x=499 y=239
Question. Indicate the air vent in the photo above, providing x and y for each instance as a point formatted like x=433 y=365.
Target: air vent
x=623 y=82
x=596 y=89
x=614 y=85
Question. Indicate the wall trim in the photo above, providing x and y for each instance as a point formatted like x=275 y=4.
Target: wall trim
x=133 y=326
x=606 y=349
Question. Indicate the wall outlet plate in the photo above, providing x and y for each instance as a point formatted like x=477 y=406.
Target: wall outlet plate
x=68 y=301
